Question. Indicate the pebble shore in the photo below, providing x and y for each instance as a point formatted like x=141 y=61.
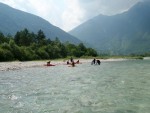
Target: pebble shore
x=6 y=66
x=16 y=65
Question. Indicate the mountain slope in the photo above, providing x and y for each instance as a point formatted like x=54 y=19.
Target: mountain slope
x=13 y=20
x=124 y=33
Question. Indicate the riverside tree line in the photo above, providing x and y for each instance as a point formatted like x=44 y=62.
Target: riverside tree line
x=26 y=45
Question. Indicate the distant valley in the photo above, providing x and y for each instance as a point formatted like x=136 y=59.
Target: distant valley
x=126 y=33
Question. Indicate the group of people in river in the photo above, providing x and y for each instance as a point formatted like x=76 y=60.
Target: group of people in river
x=95 y=62
x=72 y=63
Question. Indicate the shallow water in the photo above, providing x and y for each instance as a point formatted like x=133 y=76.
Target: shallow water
x=112 y=87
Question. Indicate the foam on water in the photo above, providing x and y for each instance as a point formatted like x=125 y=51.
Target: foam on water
x=112 y=87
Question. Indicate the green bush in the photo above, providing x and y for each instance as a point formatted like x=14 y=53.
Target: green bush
x=6 y=55
x=42 y=53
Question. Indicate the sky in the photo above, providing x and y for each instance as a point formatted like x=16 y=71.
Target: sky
x=68 y=14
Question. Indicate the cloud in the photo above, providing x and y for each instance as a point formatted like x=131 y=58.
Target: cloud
x=14 y=4
x=111 y=7
x=72 y=15
x=68 y=14
x=47 y=9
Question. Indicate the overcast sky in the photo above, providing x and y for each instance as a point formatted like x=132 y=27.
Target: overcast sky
x=68 y=14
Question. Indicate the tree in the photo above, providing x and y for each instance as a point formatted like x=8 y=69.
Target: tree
x=5 y=46
x=24 y=38
x=2 y=38
x=41 y=38
x=91 y=52
x=15 y=50
x=56 y=51
x=82 y=49
x=42 y=53
x=63 y=51
x=6 y=55
x=30 y=54
x=29 y=46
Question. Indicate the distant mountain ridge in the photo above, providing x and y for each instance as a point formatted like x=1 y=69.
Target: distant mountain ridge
x=13 y=20
x=124 y=33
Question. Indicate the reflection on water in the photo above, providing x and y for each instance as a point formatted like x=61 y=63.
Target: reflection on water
x=112 y=87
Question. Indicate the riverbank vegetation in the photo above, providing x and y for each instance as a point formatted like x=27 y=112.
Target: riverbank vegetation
x=26 y=45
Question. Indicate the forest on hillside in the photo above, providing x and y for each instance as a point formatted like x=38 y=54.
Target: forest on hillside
x=26 y=45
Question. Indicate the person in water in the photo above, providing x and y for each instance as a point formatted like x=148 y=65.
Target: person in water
x=94 y=61
x=68 y=62
x=98 y=62
x=71 y=59
x=77 y=62
x=73 y=64
x=48 y=63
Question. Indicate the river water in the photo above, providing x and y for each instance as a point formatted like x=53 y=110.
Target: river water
x=112 y=87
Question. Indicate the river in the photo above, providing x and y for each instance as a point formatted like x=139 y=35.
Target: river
x=112 y=87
